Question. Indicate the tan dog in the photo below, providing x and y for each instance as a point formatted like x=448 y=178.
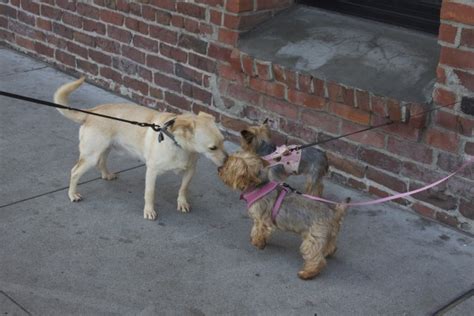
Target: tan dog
x=317 y=223
x=194 y=133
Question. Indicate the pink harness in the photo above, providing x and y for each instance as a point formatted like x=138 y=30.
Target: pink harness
x=286 y=156
x=254 y=195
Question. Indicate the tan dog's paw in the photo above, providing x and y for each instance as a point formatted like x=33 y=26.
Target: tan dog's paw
x=149 y=214
x=75 y=197
x=259 y=243
x=183 y=205
x=307 y=275
x=110 y=176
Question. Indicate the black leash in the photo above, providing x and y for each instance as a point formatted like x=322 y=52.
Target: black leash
x=157 y=128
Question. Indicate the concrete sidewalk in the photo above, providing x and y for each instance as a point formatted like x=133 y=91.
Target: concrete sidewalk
x=101 y=257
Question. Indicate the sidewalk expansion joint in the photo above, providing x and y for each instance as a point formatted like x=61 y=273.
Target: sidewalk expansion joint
x=458 y=300
x=64 y=188
x=15 y=302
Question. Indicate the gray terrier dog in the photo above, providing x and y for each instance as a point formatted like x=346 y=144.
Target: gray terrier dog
x=313 y=163
x=317 y=223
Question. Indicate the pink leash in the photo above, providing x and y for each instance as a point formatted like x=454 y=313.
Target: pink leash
x=254 y=195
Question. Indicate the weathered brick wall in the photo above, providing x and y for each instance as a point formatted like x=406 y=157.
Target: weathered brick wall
x=176 y=55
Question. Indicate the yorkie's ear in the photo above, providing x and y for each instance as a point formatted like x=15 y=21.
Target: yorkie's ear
x=247 y=135
x=265 y=121
x=265 y=163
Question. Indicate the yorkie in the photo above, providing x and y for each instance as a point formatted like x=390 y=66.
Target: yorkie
x=313 y=163
x=317 y=223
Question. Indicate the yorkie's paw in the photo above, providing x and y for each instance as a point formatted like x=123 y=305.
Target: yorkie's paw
x=307 y=275
x=259 y=243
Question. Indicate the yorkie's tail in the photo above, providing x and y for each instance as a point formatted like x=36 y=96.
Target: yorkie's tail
x=341 y=209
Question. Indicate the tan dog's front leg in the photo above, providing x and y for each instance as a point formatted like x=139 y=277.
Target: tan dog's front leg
x=260 y=233
x=150 y=182
x=183 y=205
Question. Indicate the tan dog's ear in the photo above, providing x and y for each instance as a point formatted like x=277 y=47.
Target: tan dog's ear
x=247 y=135
x=183 y=127
x=206 y=115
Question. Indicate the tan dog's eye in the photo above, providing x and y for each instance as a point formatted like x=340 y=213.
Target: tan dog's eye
x=213 y=148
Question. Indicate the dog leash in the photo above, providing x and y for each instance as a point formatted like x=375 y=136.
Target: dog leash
x=254 y=195
x=157 y=128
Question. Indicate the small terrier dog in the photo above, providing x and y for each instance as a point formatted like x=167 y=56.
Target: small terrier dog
x=317 y=223
x=313 y=163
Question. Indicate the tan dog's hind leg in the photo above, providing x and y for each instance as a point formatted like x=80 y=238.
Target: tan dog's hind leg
x=183 y=204
x=150 y=182
x=102 y=165
x=82 y=165
x=312 y=251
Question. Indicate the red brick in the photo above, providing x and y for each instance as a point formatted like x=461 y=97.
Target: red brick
x=125 y=65
x=444 y=97
x=467 y=38
x=319 y=87
x=44 y=24
x=424 y=210
x=447 y=219
x=274 y=89
x=402 y=130
x=219 y=52
x=197 y=93
x=349 y=166
x=418 y=115
x=228 y=72
x=228 y=36
x=457 y=58
x=243 y=94
x=93 y=26
x=87 y=67
x=442 y=139
x=380 y=160
x=77 y=49
x=371 y=138
x=245 y=22
x=466 y=208
x=455 y=123
x=305 y=83
x=65 y=58
x=447 y=33
x=148 y=13
x=26 y=18
x=109 y=73
x=291 y=79
x=136 y=85
x=417 y=172
x=308 y=100
x=280 y=107
x=248 y=65
x=108 y=45
x=441 y=75
x=84 y=39
x=44 y=50
x=87 y=10
x=192 y=43
x=378 y=105
x=111 y=17
x=466 y=79
x=100 y=57
x=163 y=34
x=173 y=53
x=25 y=43
x=394 y=110
x=340 y=146
x=413 y=150
x=458 y=12
x=177 y=101
x=299 y=131
x=146 y=43
x=168 y=82
x=31 y=6
x=321 y=121
x=188 y=73
x=133 y=54
x=349 y=113
x=363 y=99
x=156 y=93
x=216 y=17
x=145 y=74
x=264 y=70
x=279 y=73
x=469 y=148
x=358 y=185
x=272 y=4
x=66 y=4
x=335 y=92
x=72 y=19
x=201 y=62
x=191 y=9
x=386 y=180
x=451 y=162
x=239 y=6
x=51 y=12
x=121 y=35
x=163 y=65
x=63 y=30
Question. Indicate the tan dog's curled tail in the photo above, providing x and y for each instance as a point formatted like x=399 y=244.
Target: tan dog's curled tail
x=61 y=97
x=341 y=209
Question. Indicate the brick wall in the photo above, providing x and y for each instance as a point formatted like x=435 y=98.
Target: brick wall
x=182 y=55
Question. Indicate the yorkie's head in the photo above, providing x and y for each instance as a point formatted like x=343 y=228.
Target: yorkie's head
x=243 y=170
x=253 y=136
